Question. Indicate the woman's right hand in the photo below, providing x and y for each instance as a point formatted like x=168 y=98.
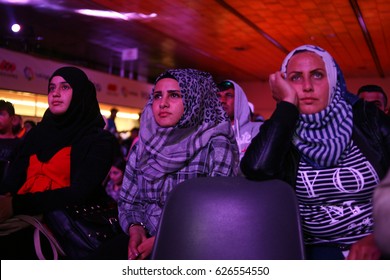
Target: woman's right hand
x=281 y=89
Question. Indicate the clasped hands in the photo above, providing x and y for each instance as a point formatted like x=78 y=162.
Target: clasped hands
x=140 y=246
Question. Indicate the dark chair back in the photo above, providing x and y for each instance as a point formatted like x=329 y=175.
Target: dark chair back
x=223 y=218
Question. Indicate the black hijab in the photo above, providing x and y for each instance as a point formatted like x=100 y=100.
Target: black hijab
x=83 y=117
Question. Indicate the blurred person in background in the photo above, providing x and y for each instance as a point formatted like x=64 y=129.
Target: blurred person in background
x=375 y=94
x=9 y=142
x=239 y=111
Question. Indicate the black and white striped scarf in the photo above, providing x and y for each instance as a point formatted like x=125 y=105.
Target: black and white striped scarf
x=323 y=137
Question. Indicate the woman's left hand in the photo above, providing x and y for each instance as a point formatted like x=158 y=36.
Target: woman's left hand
x=281 y=89
x=145 y=248
x=5 y=207
x=364 y=249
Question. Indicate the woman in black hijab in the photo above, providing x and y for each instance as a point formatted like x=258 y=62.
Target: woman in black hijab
x=64 y=160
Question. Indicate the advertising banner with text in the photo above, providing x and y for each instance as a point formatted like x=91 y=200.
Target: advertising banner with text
x=23 y=72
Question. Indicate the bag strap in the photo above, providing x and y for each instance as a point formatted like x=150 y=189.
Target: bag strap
x=40 y=228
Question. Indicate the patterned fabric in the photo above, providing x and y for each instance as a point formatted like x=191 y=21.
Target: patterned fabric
x=336 y=203
x=323 y=137
x=201 y=104
x=201 y=144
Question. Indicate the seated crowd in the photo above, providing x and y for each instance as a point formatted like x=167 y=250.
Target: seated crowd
x=331 y=146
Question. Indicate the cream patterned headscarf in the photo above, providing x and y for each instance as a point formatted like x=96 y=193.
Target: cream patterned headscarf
x=165 y=150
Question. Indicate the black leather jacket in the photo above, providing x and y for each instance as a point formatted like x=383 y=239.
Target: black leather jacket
x=271 y=154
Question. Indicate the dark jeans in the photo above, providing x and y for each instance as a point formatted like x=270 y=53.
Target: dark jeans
x=323 y=252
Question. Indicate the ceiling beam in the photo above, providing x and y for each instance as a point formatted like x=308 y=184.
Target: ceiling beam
x=367 y=36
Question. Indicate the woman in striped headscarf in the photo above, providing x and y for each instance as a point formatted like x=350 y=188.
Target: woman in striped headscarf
x=331 y=147
x=184 y=133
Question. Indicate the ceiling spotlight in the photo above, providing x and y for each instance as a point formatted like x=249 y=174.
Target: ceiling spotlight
x=100 y=13
x=115 y=15
x=15 y=28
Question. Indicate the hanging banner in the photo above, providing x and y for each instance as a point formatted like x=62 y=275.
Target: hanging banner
x=22 y=72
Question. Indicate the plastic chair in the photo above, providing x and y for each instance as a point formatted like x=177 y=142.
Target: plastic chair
x=230 y=218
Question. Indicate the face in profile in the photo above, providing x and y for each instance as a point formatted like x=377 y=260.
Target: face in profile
x=306 y=73
x=60 y=95
x=226 y=98
x=167 y=104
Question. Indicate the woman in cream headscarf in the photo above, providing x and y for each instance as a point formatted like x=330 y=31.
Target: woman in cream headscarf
x=184 y=133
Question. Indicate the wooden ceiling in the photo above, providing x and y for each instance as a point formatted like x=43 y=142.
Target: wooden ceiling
x=244 y=40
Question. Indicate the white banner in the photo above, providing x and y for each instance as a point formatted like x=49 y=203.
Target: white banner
x=195 y=270
x=22 y=72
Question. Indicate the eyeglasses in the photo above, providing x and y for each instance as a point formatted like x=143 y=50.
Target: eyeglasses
x=225 y=85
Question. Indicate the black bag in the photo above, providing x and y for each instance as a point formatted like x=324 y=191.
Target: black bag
x=82 y=229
